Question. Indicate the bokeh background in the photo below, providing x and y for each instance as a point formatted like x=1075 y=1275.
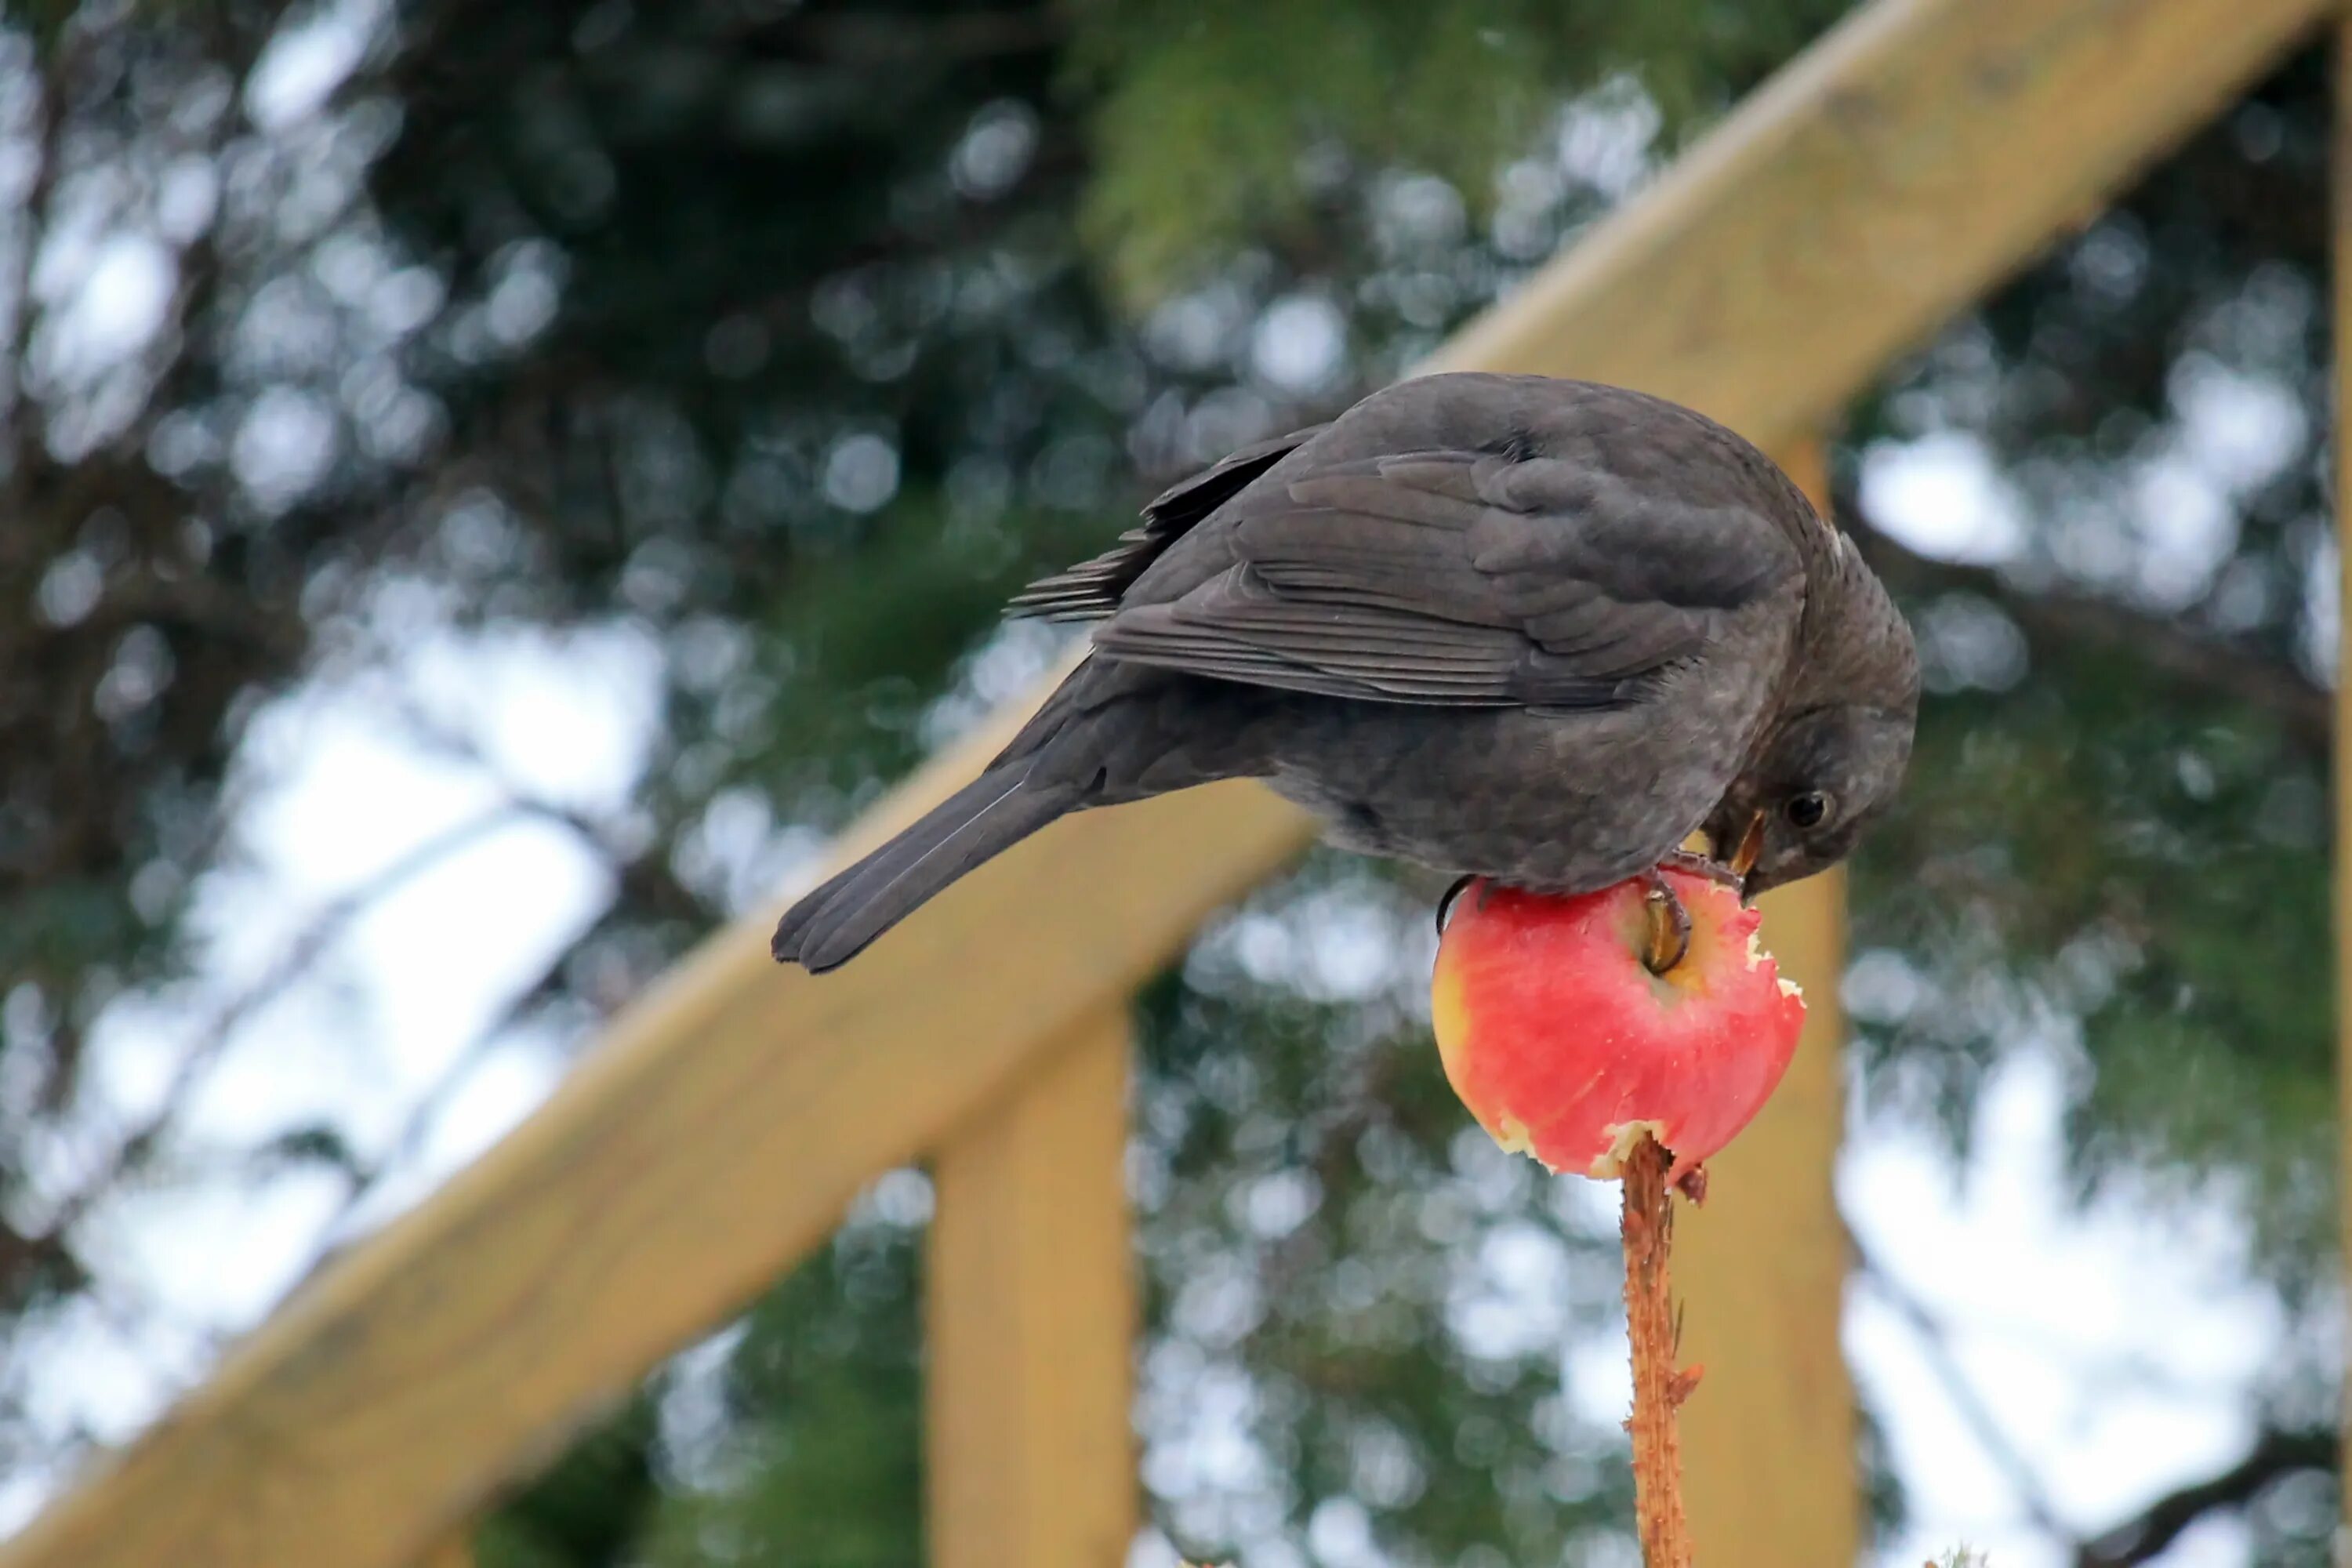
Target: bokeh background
x=487 y=487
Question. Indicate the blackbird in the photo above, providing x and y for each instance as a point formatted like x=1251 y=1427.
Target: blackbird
x=1533 y=630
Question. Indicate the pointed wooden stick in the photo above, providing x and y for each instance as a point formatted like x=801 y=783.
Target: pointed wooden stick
x=1648 y=1226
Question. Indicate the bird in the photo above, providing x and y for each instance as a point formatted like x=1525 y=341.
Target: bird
x=1546 y=633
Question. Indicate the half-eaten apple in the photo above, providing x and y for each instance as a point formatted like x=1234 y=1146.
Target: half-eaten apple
x=1565 y=1044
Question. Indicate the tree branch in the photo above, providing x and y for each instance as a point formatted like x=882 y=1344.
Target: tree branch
x=295 y=961
x=2211 y=668
x=2277 y=1453
x=1935 y=1341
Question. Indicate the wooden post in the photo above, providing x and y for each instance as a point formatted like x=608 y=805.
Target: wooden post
x=457 y=1552
x=1032 y=1321
x=1769 y=1436
x=2340 y=255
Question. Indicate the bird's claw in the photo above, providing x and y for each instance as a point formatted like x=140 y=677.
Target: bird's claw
x=1446 y=900
x=1670 y=925
x=1736 y=870
x=1699 y=864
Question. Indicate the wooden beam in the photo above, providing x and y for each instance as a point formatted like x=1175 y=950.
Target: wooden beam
x=1032 y=1321
x=1769 y=1437
x=1918 y=153
x=715 y=1133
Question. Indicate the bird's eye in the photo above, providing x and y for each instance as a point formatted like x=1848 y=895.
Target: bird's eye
x=1808 y=809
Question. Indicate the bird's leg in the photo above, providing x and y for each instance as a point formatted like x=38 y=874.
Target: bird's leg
x=1699 y=864
x=1446 y=900
x=1670 y=924
x=1732 y=873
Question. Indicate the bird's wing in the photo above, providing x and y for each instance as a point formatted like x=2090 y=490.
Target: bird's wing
x=1460 y=578
x=1092 y=589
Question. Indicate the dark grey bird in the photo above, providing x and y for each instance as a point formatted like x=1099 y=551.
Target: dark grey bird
x=1532 y=630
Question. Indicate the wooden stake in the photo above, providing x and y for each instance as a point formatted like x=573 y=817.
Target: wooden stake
x=1648 y=1226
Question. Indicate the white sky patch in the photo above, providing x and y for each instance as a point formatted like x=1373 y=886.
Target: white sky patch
x=1204 y=1457
x=1298 y=341
x=112 y=310
x=509 y=1087
x=22 y=1494
x=861 y=472
x=2056 y=1316
x=2240 y=429
x=1942 y=496
x=2187 y=525
x=1010 y=663
x=2159 y=524
x=565 y=717
x=2322 y=608
x=470 y=934
x=186 y=197
x=2231 y=433
x=104 y=1382
x=284 y=446
x=1334 y=945
x=343 y=792
x=220 y=1250
x=348 y=797
x=1607 y=138
x=301 y=67
x=1513 y=1300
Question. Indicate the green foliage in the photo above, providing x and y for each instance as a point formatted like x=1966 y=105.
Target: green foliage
x=588 y=1508
x=824 y=1386
x=1237 y=123
x=2156 y=874
x=1316 y=1214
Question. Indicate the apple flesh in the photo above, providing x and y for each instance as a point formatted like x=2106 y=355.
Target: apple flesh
x=1564 y=1045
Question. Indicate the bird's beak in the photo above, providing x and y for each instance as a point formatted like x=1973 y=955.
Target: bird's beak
x=1751 y=847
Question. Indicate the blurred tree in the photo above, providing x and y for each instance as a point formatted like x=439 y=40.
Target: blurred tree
x=794 y=335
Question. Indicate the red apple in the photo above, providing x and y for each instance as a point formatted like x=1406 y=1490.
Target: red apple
x=1566 y=1046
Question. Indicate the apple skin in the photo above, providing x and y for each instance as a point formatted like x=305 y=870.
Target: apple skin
x=1564 y=1045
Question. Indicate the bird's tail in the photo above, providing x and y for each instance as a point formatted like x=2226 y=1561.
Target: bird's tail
x=981 y=821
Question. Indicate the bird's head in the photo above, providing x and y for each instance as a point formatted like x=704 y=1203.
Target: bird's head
x=1836 y=758
x=1817 y=783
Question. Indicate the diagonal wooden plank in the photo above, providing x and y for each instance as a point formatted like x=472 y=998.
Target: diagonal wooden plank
x=716 y=1132
x=715 y=1136
x=1917 y=154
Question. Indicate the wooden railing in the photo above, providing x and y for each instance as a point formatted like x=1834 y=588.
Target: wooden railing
x=1897 y=171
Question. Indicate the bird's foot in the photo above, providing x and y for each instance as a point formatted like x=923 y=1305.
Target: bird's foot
x=1670 y=924
x=1735 y=871
x=1699 y=864
x=1446 y=900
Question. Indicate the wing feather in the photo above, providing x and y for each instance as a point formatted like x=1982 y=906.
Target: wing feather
x=1460 y=578
x=1093 y=589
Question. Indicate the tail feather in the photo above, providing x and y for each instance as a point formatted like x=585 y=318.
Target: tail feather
x=989 y=815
